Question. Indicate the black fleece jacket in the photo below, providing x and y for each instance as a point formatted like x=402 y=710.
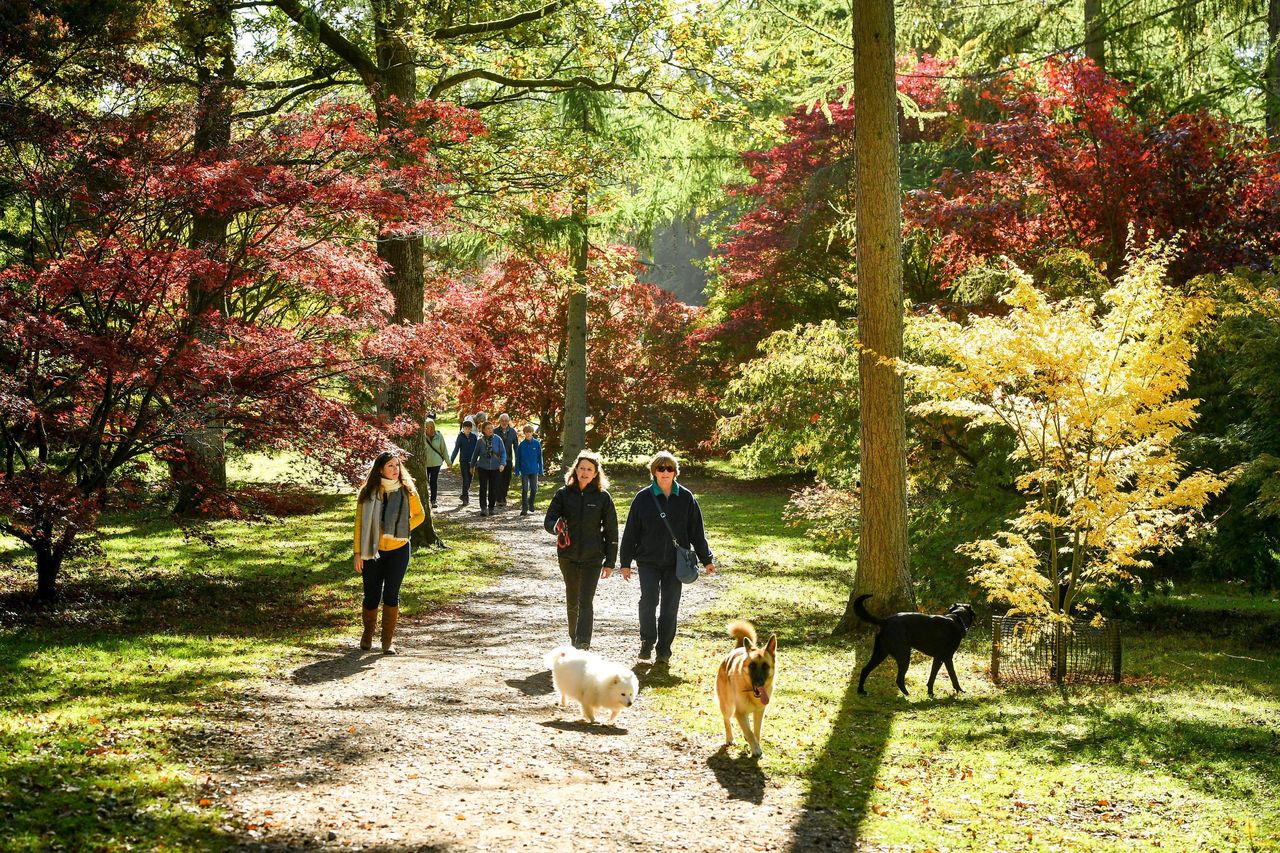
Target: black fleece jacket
x=592 y=520
x=645 y=538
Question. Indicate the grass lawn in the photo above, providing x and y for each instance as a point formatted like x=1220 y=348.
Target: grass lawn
x=1185 y=754
x=98 y=696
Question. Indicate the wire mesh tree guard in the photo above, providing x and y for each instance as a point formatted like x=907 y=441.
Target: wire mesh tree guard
x=1035 y=651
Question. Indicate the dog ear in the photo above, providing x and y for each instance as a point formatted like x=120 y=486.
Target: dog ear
x=772 y=646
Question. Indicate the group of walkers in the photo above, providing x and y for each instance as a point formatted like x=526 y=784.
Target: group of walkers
x=492 y=457
x=663 y=517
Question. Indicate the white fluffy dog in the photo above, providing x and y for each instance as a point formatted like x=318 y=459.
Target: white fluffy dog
x=591 y=681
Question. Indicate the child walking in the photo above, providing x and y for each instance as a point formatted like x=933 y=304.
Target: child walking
x=529 y=467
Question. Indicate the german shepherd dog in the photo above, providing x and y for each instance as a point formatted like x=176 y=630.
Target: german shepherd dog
x=936 y=636
x=745 y=682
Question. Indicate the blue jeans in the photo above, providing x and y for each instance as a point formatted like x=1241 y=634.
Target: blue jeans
x=528 y=491
x=382 y=577
x=659 y=606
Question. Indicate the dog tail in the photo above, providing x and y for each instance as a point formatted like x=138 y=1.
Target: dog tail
x=555 y=654
x=862 y=611
x=741 y=629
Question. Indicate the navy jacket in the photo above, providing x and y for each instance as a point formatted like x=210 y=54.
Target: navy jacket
x=509 y=437
x=645 y=538
x=465 y=446
x=592 y=520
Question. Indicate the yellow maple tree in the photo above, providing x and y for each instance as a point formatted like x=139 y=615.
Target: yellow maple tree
x=1092 y=390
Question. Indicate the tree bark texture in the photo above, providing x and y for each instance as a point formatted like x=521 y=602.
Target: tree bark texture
x=212 y=44
x=1271 y=87
x=47 y=565
x=883 y=568
x=575 y=370
x=1095 y=45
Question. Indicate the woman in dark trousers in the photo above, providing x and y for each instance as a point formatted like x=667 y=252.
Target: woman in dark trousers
x=387 y=510
x=647 y=541
x=489 y=461
x=585 y=522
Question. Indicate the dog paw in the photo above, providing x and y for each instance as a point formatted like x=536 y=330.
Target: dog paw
x=757 y=752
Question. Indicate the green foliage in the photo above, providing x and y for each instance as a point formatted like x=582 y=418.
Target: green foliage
x=102 y=698
x=797 y=405
x=1237 y=378
x=1180 y=755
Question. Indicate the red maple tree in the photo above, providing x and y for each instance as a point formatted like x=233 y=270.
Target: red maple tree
x=103 y=357
x=640 y=372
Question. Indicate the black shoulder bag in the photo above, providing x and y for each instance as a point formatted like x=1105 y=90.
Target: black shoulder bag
x=686 y=558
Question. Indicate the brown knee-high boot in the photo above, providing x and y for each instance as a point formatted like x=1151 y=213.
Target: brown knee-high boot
x=390 y=615
x=370 y=625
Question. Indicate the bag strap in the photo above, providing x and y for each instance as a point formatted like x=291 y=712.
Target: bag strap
x=662 y=515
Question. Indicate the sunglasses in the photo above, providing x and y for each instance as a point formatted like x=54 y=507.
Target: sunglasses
x=665 y=468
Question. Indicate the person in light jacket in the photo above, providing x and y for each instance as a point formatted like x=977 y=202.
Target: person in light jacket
x=387 y=510
x=489 y=461
x=436 y=455
x=585 y=521
x=646 y=540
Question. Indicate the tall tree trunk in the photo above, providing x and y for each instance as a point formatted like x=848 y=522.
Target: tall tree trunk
x=1271 y=87
x=1095 y=46
x=575 y=372
x=397 y=87
x=883 y=568
x=208 y=26
x=48 y=562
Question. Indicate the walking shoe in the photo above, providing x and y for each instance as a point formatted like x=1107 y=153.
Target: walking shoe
x=484 y=512
x=435 y=505
x=646 y=651
x=662 y=660
x=524 y=512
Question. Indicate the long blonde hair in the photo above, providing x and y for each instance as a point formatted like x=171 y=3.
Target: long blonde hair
x=601 y=480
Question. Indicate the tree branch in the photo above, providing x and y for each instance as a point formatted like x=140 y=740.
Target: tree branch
x=345 y=49
x=482 y=27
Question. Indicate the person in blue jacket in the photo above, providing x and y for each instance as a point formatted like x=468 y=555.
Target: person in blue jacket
x=464 y=447
x=489 y=461
x=646 y=540
x=529 y=467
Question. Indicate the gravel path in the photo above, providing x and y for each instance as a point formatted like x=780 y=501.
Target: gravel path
x=456 y=744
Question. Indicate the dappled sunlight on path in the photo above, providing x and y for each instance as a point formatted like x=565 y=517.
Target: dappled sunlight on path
x=456 y=743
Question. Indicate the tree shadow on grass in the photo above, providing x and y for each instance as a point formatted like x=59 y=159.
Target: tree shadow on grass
x=843 y=777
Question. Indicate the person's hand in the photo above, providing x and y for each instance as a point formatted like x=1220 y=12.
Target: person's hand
x=711 y=568
x=626 y=573
x=502 y=468
x=605 y=571
x=359 y=564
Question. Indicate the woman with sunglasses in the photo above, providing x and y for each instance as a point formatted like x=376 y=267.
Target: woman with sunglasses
x=647 y=541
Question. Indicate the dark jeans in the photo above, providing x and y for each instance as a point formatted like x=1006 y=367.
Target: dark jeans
x=528 y=491
x=488 y=487
x=466 y=483
x=504 y=484
x=659 y=606
x=433 y=476
x=580 y=580
x=382 y=577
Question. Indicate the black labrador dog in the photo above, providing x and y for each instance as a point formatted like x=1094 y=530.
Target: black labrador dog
x=936 y=636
